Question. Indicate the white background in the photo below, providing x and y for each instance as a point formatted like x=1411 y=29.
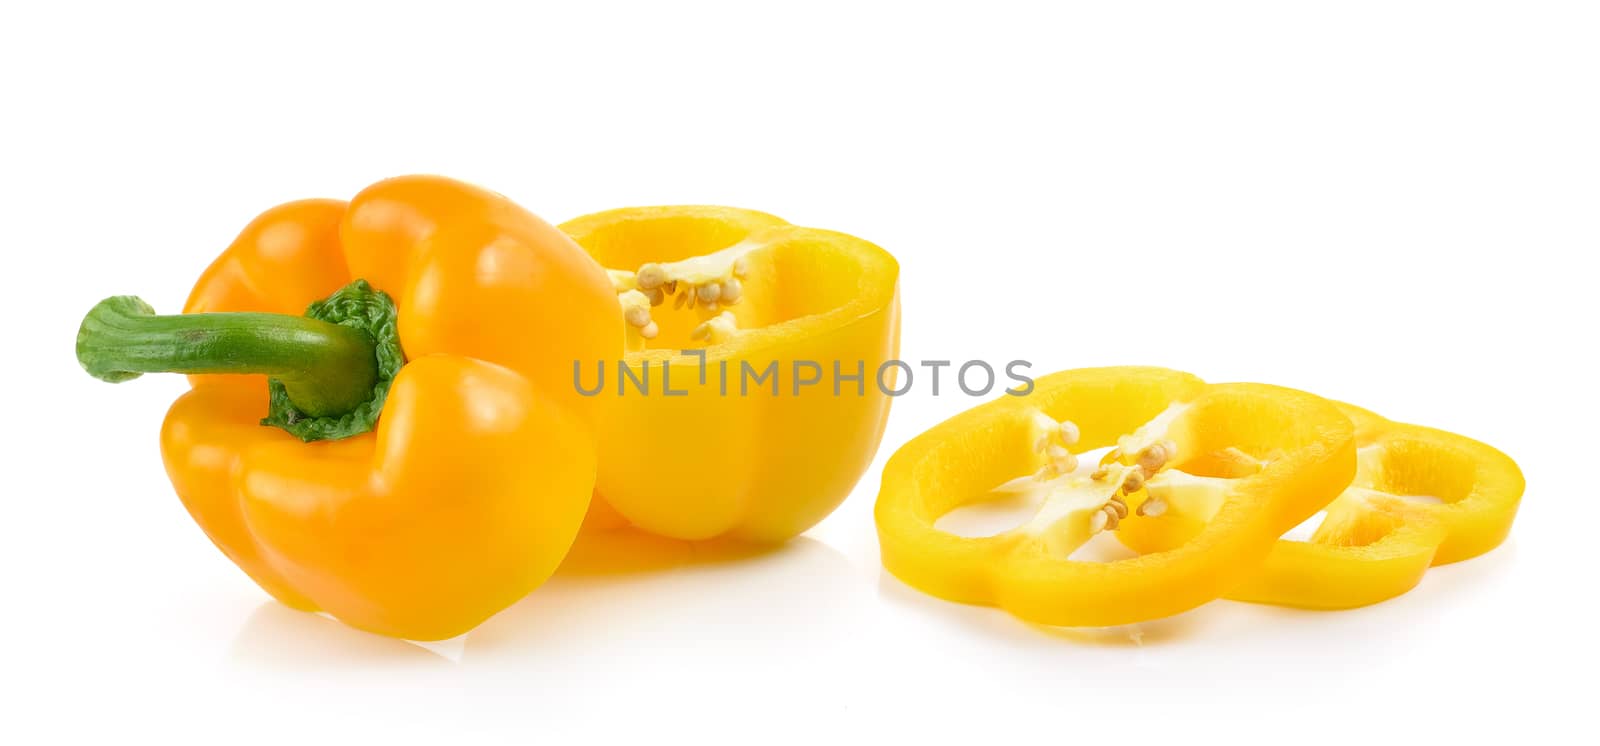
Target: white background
x=1392 y=203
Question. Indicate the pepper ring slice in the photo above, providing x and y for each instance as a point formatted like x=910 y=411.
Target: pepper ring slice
x=1421 y=497
x=1156 y=420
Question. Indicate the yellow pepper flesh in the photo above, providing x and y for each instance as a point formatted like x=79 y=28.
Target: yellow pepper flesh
x=1307 y=448
x=1420 y=497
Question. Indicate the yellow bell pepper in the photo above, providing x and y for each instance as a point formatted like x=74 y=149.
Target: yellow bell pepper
x=1420 y=497
x=1156 y=421
x=749 y=400
x=471 y=487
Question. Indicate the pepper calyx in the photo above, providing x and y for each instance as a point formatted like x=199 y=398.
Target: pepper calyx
x=357 y=306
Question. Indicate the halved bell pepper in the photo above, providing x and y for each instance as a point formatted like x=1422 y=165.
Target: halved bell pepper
x=1154 y=420
x=1420 y=497
x=472 y=485
x=749 y=401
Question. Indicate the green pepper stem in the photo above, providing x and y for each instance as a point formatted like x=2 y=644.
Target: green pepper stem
x=327 y=369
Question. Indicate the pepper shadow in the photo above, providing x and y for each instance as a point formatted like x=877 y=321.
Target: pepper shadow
x=1002 y=625
x=603 y=552
x=278 y=637
x=609 y=574
x=625 y=588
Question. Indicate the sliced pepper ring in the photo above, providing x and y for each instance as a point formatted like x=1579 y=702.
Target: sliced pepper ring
x=1157 y=418
x=1378 y=538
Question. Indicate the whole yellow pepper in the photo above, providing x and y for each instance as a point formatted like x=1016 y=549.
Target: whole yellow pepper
x=471 y=487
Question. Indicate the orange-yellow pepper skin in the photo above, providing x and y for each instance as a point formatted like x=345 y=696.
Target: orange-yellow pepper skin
x=286 y=258
x=283 y=260
x=479 y=473
x=465 y=498
x=453 y=256
x=200 y=444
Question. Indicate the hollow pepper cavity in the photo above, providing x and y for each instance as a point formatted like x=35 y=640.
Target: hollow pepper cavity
x=749 y=402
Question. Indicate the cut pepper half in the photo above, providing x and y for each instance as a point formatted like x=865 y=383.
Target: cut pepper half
x=1420 y=497
x=748 y=402
x=1156 y=420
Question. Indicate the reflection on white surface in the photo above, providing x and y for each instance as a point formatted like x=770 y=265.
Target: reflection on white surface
x=1188 y=646
x=648 y=635
x=675 y=604
x=275 y=636
x=618 y=592
x=450 y=650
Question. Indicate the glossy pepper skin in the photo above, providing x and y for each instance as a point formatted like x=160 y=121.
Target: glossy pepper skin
x=1378 y=539
x=472 y=272
x=464 y=499
x=473 y=485
x=724 y=461
x=1309 y=453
